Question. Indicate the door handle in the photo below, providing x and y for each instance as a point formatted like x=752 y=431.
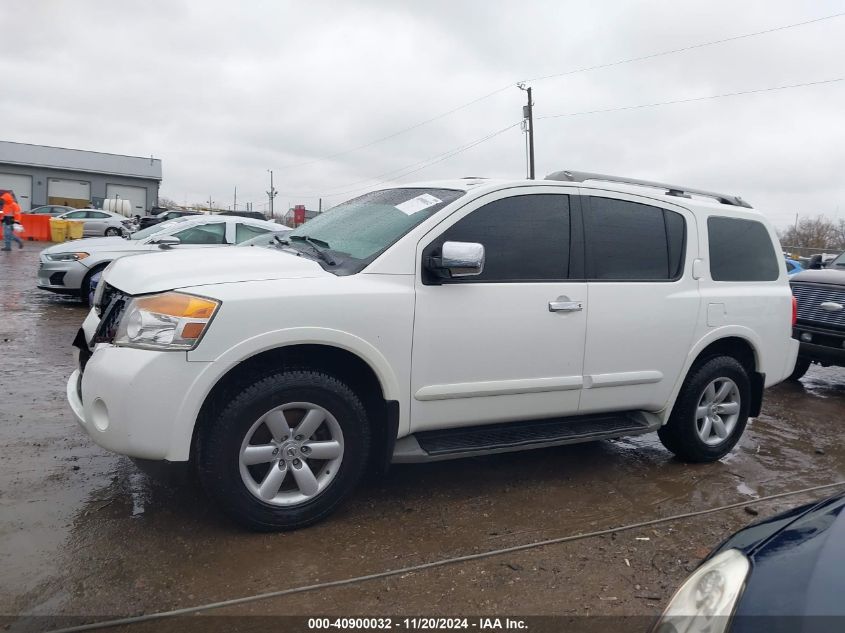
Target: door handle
x=564 y=304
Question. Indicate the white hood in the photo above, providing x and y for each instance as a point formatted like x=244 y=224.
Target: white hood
x=97 y=244
x=169 y=270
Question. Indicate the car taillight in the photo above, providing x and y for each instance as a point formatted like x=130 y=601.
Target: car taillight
x=794 y=310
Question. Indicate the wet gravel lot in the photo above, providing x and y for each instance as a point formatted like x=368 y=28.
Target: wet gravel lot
x=87 y=533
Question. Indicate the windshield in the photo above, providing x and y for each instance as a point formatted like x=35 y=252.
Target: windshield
x=155 y=228
x=363 y=227
x=839 y=262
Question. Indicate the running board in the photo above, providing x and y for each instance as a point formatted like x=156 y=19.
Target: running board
x=431 y=446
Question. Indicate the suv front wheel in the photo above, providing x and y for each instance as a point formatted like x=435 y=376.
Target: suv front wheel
x=711 y=411
x=285 y=452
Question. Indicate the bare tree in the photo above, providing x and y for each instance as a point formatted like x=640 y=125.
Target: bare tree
x=167 y=203
x=815 y=233
x=840 y=234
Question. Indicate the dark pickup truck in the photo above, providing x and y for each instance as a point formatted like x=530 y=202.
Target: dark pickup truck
x=821 y=316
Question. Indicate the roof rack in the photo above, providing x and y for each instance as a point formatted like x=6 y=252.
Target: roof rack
x=671 y=190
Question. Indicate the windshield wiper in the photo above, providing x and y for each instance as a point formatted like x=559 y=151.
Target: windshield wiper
x=319 y=247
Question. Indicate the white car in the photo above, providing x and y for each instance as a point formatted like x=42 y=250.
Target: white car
x=68 y=268
x=434 y=321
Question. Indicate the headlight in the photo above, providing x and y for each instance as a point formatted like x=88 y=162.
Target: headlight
x=65 y=257
x=706 y=600
x=166 y=321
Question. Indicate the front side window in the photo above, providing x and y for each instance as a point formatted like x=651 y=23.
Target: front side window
x=525 y=238
x=362 y=228
x=97 y=215
x=628 y=241
x=741 y=250
x=212 y=233
x=76 y=215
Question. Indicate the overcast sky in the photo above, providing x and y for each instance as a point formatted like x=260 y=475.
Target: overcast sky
x=224 y=91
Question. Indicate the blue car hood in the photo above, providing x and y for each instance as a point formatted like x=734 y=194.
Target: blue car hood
x=797 y=568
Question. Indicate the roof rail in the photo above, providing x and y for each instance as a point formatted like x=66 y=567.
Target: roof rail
x=671 y=190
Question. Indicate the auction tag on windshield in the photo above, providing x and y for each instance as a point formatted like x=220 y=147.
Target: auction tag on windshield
x=419 y=203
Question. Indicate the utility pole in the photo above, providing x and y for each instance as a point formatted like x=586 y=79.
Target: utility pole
x=528 y=115
x=210 y=202
x=320 y=205
x=271 y=194
x=235 y=206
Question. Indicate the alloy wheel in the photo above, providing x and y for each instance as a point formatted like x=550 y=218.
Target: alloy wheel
x=718 y=411
x=291 y=454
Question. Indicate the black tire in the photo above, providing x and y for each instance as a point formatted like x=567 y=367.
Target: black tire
x=86 y=283
x=112 y=232
x=680 y=434
x=801 y=366
x=220 y=439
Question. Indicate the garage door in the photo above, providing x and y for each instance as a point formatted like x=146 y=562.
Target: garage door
x=69 y=193
x=136 y=195
x=21 y=185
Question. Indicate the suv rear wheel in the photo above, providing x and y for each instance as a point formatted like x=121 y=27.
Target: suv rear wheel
x=711 y=411
x=285 y=452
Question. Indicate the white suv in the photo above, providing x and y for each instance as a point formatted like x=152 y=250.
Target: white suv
x=434 y=321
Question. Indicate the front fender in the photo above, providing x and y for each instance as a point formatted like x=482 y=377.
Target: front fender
x=215 y=369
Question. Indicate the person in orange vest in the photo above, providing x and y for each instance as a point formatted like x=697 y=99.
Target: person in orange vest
x=11 y=212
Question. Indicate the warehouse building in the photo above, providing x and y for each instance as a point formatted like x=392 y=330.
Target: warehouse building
x=41 y=175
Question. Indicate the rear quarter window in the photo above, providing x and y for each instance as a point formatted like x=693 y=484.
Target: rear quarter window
x=741 y=250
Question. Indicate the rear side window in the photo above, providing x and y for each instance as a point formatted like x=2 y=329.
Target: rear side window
x=633 y=242
x=246 y=232
x=212 y=233
x=741 y=250
x=525 y=238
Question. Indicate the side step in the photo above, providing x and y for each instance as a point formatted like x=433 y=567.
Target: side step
x=428 y=446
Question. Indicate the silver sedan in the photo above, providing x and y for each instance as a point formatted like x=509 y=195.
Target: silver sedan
x=68 y=268
x=98 y=223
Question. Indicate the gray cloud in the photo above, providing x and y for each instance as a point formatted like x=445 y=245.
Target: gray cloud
x=222 y=91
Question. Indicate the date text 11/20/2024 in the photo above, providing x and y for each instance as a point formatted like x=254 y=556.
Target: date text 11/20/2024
x=356 y=624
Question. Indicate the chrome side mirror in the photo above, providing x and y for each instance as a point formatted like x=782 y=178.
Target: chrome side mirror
x=458 y=259
x=166 y=241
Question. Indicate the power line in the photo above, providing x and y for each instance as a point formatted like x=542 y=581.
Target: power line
x=434 y=564
x=719 y=96
x=684 y=49
x=562 y=74
x=402 y=131
x=439 y=158
x=407 y=169
x=400 y=172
